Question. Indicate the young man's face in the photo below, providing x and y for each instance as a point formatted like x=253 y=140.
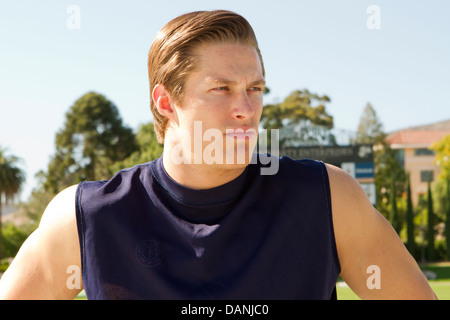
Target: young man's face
x=223 y=97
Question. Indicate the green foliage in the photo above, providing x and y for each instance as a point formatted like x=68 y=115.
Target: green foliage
x=390 y=176
x=92 y=140
x=148 y=148
x=92 y=145
x=440 y=249
x=394 y=217
x=440 y=199
x=11 y=176
x=11 y=180
x=447 y=218
x=442 y=150
x=431 y=225
x=35 y=206
x=4 y=264
x=441 y=187
x=13 y=237
x=409 y=219
x=370 y=129
x=300 y=104
x=387 y=168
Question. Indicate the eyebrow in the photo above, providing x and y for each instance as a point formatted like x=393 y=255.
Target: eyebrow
x=232 y=82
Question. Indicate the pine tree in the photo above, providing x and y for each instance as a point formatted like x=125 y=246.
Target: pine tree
x=409 y=220
x=430 y=232
x=370 y=127
x=394 y=210
x=447 y=221
x=92 y=139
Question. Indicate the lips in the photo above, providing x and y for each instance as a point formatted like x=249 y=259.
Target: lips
x=241 y=133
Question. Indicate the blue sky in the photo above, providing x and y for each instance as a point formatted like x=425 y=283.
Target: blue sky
x=325 y=46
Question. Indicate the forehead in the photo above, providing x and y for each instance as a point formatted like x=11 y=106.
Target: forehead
x=228 y=61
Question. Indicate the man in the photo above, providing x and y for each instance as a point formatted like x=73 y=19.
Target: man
x=202 y=221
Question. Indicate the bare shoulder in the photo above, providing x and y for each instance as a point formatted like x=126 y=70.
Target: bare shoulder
x=366 y=241
x=339 y=177
x=40 y=269
x=346 y=193
x=61 y=210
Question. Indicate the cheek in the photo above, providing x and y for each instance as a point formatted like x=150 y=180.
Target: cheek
x=202 y=114
x=257 y=103
x=216 y=100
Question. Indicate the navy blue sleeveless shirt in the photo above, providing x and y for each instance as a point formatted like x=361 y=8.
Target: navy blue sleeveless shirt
x=144 y=236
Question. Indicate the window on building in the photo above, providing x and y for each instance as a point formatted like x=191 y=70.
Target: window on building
x=423 y=152
x=426 y=175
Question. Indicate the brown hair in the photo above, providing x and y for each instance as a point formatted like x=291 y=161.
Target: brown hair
x=171 y=57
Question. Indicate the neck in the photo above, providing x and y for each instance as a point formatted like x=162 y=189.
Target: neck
x=200 y=176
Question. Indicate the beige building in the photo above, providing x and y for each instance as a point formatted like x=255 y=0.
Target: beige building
x=413 y=152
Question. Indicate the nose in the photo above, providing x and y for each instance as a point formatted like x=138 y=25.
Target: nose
x=243 y=107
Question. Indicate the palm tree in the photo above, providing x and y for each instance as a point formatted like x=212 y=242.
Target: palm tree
x=11 y=180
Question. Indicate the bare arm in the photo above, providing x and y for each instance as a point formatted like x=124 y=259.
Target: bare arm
x=368 y=246
x=48 y=258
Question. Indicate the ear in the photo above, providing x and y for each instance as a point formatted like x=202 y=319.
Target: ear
x=162 y=101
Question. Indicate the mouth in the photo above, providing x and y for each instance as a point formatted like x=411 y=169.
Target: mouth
x=241 y=133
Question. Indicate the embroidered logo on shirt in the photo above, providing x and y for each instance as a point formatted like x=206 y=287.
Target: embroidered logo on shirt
x=149 y=253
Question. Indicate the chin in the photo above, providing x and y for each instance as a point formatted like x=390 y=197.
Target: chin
x=232 y=154
x=240 y=156
x=240 y=166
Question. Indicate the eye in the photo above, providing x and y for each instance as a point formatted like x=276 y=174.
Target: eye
x=256 y=89
x=221 y=88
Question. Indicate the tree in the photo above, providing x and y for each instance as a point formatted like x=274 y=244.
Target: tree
x=370 y=131
x=447 y=219
x=386 y=167
x=442 y=150
x=411 y=245
x=300 y=104
x=14 y=237
x=148 y=148
x=370 y=128
x=430 y=231
x=394 y=218
x=11 y=181
x=92 y=139
x=442 y=159
x=36 y=203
